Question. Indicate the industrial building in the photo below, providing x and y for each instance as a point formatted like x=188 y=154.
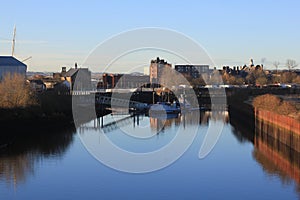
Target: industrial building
x=10 y=65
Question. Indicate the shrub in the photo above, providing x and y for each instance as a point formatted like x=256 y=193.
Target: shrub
x=286 y=108
x=267 y=102
x=275 y=104
x=14 y=92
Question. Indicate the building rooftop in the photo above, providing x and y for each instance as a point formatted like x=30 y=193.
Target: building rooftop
x=73 y=71
x=10 y=61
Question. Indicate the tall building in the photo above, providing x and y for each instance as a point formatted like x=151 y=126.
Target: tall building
x=156 y=70
x=193 y=71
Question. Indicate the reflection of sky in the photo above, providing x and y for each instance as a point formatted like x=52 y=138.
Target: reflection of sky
x=228 y=172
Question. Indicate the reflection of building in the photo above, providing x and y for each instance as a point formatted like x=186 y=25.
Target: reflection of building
x=10 y=65
x=156 y=70
x=122 y=81
x=159 y=124
x=193 y=71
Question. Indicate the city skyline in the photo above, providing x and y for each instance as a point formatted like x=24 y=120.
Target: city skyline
x=59 y=34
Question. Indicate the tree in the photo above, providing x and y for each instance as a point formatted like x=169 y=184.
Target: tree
x=262 y=80
x=257 y=77
x=216 y=78
x=296 y=79
x=288 y=77
x=276 y=65
x=14 y=92
x=196 y=82
x=291 y=64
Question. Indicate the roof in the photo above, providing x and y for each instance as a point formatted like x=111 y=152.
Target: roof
x=73 y=71
x=10 y=61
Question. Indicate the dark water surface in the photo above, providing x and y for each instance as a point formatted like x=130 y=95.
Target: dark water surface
x=56 y=165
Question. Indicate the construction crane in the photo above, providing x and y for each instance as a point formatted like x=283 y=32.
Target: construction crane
x=13 y=42
x=27 y=59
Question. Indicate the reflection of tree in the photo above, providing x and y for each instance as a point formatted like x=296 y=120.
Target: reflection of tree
x=242 y=122
x=19 y=158
x=15 y=169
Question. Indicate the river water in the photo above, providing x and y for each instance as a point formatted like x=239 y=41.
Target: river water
x=58 y=165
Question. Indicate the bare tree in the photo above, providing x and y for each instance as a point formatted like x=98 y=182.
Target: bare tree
x=291 y=64
x=14 y=92
x=263 y=60
x=276 y=65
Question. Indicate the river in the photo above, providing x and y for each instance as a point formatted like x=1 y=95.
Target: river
x=56 y=164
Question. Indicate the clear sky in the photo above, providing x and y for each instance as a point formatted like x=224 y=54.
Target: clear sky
x=60 y=33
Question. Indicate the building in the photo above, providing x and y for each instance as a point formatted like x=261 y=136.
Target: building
x=193 y=71
x=37 y=85
x=110 y=81
x=156 y=70
x=10 y=65
x=79 y=78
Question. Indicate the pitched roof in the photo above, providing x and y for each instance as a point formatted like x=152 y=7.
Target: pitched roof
x=71 y=72
x=10 y=61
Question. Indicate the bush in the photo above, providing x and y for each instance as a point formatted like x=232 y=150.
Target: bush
x=14 y=92
x=286 y=108
x=275 y=104
x=267 y=102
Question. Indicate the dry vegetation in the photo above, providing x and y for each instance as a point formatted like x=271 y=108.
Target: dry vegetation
x=15 y=93
x=275 y=104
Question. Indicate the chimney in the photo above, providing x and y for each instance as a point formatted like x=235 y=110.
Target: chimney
x=63 y=69
x=75 y=65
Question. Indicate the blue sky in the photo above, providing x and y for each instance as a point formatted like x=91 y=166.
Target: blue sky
x=60 y=33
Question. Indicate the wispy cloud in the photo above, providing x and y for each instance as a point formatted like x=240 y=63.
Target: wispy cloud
x=24 y=41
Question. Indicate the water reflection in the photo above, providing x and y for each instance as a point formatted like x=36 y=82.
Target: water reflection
x=21 y=152
x=243 y=124
x=157 y=123
x=276 y=150
x=25 y=152
x=275 y=157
